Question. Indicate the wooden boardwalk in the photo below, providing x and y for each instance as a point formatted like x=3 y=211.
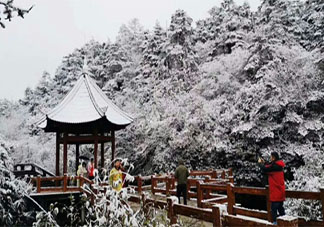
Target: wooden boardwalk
x=208 y=191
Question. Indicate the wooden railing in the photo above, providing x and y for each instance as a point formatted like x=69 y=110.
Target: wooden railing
x=63 y=184
x=168 y=181
x=232 y=209
x=210 y=193
x=212 y=215
x=30 y=170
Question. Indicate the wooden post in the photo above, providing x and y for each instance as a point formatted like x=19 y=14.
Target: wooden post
x=77 y=154
x=113 y=145
x=81 y=182
x=199 y=195
x=57 y=163
x=216 y=216
x=223 y=174
x=95 y=152
x=231 y=179
x=287 y=221
x=230 y=199
x=65 y=154
x=171 y=216
x=38 y=184
x=167 y=185
x=173 y=182
x=139 y=185
x=65 y=183
x=145 y=207
x=152 y=185
x=214 y=174
x=268 y=204
x=102 y=163
x=322 y=200
x=188 y=189
x=230 y=172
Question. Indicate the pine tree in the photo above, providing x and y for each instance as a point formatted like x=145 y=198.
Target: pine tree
x=178 y=48
x=152 y=50
x=281 y=19
x=130 y=38
x=313 y=19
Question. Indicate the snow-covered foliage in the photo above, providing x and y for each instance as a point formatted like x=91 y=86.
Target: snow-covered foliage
x=236 y=86
x=13 y=211
x=109 y=208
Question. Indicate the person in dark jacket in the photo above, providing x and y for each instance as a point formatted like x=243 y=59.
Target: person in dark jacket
x=182 y=174
x=276 y=180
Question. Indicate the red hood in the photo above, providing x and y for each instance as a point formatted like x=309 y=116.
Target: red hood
x=280 y=163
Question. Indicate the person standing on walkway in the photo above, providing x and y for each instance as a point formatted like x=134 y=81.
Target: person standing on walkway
x=181 y=175
x=276 y=180
x=91 y=169
x=82 y=171
x=116 y=176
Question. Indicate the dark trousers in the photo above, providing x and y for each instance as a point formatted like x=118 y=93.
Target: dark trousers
x=275 y=208
x=182 y=191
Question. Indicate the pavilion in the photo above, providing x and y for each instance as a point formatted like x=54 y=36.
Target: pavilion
x=84 y=116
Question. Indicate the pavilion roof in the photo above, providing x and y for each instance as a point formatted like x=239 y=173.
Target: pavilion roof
x=86 y=103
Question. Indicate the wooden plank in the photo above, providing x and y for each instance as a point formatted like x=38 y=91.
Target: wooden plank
x=160 y=190
x=193 y=212
x=216 y=216
x=156 y=203
x=231 y=220
x=303 y=195
x=251 y=213
x=287 y=221
x=230 y=199
x=52 y=189
x=303 y=222
x=153 y=185
x=60 y=178
x=139 y=184
x=86 y=139
x=213 y=187
x=200 y=195
x=65 y=183
x=171 y=212
x=38 y=184
x=134 y=198
x=268 y=204
x=250 y=190
x=322 y=201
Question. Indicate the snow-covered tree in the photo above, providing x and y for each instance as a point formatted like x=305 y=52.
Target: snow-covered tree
x=13 y=210
x=178 y=48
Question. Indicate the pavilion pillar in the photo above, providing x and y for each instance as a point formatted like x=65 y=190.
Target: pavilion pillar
x=113 y=145
x=57 y=162
x=95 y=153
x=77 y=154
x=102 y=155
x=65 y=153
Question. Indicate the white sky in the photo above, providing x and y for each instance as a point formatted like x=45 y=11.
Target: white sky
x=54 y=29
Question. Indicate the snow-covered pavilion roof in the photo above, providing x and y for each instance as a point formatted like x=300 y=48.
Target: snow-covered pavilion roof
x=86 y=103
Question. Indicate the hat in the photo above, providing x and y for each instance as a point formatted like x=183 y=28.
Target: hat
x=275 y=155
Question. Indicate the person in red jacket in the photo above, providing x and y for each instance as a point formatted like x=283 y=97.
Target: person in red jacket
x=276 y=180
x=91 y=169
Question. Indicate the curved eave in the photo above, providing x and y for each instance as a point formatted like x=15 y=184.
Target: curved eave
x=100 y=125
